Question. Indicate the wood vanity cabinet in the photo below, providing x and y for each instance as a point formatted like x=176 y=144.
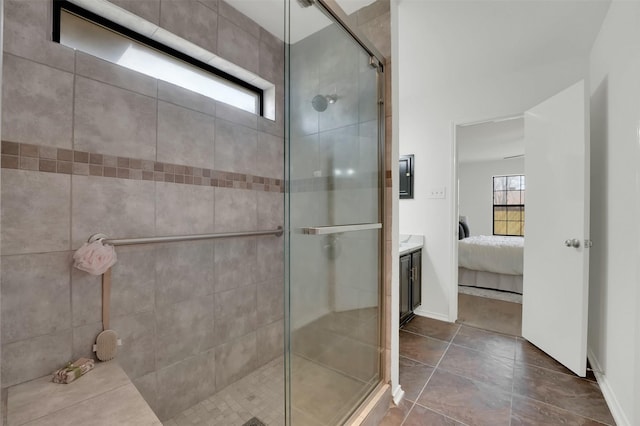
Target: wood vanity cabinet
x=410 y=284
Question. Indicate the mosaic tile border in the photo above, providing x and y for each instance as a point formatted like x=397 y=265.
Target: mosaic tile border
x=48 y=159
x=331 y=183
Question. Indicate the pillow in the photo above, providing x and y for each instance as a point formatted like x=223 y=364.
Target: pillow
x=466 y=229
x=461 y=234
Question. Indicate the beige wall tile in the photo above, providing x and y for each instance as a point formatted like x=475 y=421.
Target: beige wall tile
x=270 y=156
x=271 y=58
x=185 y=136
x=211 y=4
x=114 y=121
x=236 y=115
x=183 y=271
x=235 y=359
x=35 y=212
x=235 y=263
x=147 y=385
x=270 y=210
x=97 y=69
x=133 y=280
x=270 y=258
x=373 y=11
x=378 y=31
x=86 y=298
x=138 y=334
x=117 y=207
x=37 y=103
x=147 y=9
x=84 y=338
x=184 y=209
x=36 y=357
x=270 y=340
x=191 y=20
x=236 y=147
x=185 y=383
x=35 y=295
x=270 y=301
x=234 y=313
x=184 y=329
x=238 y=45
x=235 y=210
x=239 y=19
x=27 y=33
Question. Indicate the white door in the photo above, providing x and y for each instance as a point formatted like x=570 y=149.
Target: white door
x=556 y=261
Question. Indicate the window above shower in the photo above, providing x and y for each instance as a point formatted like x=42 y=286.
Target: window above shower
x=159 y=54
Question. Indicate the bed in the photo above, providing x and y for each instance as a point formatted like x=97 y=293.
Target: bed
x=491 y=261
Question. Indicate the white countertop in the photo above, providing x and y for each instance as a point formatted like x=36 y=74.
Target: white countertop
x=409 y=243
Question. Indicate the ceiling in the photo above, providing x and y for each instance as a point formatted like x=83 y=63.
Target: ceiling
x=469 y=39
x=491 y=140
x=304 y=21
x=485 y=36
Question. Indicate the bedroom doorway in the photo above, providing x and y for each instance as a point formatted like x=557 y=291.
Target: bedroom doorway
x=491 y=185
x=556 y=263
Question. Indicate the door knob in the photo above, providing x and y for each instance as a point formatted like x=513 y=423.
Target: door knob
x=572 y=243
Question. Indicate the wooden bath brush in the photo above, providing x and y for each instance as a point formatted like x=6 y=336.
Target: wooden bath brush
x=107 y=341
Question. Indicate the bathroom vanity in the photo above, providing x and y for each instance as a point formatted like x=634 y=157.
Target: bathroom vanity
x=410 y=275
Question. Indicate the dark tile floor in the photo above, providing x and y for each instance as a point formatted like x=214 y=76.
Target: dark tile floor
x=459 y=375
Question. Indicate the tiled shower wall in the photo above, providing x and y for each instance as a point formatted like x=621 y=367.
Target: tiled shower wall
x=91 y=147
x=334 y=175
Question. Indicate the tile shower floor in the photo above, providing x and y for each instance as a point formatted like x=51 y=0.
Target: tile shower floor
x=459 y=375
x=334 y=364
x=260 y=394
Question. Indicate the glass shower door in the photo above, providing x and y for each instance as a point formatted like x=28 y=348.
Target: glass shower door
x=333 y=213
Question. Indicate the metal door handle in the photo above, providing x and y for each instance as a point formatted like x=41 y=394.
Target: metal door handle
x=572 y=243
x=325 y=230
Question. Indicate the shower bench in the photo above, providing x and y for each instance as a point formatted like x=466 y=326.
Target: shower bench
x=103 y=397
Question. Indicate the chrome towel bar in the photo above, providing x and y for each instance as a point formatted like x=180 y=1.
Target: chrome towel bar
x=338 y=229
x=176 y=238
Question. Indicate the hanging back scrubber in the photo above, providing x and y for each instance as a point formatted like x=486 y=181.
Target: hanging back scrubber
x=107 y=341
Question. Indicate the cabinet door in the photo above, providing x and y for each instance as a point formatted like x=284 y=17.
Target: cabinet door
x=416 y=282
x=405 y=285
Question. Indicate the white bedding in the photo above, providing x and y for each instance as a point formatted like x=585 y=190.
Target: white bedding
x=491 y=253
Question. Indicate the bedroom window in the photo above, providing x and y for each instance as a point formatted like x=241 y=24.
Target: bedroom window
x=508 y=205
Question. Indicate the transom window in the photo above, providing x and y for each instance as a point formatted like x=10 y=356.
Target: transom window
x=508 y=205
x=90 y=33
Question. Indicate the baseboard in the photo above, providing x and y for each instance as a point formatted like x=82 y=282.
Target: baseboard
x=608 y=393
x=397 y=395
x=425 y=313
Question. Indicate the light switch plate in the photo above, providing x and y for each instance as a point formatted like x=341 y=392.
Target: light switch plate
x=437 y=192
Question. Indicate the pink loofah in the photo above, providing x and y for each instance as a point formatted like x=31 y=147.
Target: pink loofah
x=94 y=258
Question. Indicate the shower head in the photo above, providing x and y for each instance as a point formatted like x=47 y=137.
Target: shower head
x=305 y=3
x=320 y=102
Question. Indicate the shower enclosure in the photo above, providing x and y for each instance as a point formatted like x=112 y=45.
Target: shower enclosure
x=248 y=286
x=333 y=216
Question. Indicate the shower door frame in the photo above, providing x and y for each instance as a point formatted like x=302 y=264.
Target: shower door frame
x=377 y=61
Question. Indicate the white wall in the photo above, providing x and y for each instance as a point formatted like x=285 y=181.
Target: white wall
x=429 y=103
x=396 y=390
x=615 y=154
x=475 y=190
